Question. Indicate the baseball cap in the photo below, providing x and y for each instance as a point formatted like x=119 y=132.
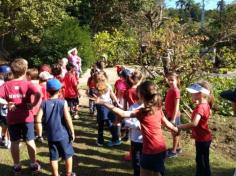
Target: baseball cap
x=196 y=88
x=4 y=68
x=125 y=72
x=229 y=95
x=45 y=75
x=53 y=84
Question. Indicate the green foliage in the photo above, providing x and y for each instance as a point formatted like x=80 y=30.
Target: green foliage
x=58 y=40
x=119 y=47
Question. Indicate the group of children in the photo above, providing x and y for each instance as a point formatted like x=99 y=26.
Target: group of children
x=32 y=100
x=134 y=103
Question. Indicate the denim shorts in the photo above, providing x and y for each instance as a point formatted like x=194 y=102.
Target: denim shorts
x=153 y=162
x=104 y=113
x=61 y=149
x=23 y=131
x=177 y=121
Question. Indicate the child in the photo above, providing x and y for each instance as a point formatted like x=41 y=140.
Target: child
x=20 y=120
x=172 y=101
x=75 y=60
x=136 y=138
x=200 y=132
x=56 y=73
x=32 y=75
x=63 y=62
x=104 y=115
x=54 y=114
x=43 y=77
x=91 y=83
x=71 y=90
x=5 y=139
x=151 y=118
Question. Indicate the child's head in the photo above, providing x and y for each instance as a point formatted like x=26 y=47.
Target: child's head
x=208 y=86
x=53 y=86
x=63 y=62
x=172 y=79
x=4 y=70
x=101 y=82
x=19 y=67
x=70 y=67
x=148 y=94
x=44 y=76
x=32 y=74
x=199 y=91
x=46 y=68
x=56 y=70
x=135 y=77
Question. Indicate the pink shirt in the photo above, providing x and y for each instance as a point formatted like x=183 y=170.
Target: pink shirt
x=171 y=96
x=201 y=132
x=121 y=88
x=70 y=84
x=153 y=139
x=36 y=108
x=18 y=92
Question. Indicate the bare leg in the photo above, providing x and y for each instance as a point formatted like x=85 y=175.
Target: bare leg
x=54 y=165
x=69 y=164
x=15 y=152
x=31 y=147
x=176 y=143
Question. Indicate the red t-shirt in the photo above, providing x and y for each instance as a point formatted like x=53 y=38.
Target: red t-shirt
x=153 y=139
x=70 y=83
x=121 y=88
x=132 y=96
x=45 y=95
x=201 y=132
x=171 y=96
x=18 y=92
x=91 y=83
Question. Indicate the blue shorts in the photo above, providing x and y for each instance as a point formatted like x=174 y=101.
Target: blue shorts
x=23 y=131
x=61 y=149
x=153 y=162
x=104 y=113
x=177 y=121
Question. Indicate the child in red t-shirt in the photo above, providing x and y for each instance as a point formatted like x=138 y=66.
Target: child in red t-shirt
x=172 y=101
x=20 y=119
x=200 y=132
x=71 y=90
x=43 y=77
x=151 y=119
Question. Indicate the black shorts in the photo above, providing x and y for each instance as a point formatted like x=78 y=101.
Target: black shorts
x=61 y=149
x=72 y=102
x=23 y=131
x=153 y=162
x=3 y=121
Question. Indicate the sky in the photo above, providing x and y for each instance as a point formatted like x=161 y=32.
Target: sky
x=209 y=4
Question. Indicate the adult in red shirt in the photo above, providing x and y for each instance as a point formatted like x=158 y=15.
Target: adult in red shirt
x=151 y=118
x=71 y=90
x=200 y=132
x=17 y=93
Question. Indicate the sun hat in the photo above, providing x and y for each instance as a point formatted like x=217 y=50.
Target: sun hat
x=229 y=95
x=196 y=88
x=53 y=84
x=45 y=75
x=4 y=68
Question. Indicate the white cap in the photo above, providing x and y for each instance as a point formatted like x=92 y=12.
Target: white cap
x=45 y=75
x=196 y=88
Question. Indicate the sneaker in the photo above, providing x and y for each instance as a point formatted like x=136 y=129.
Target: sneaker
x=76 y=116
x=35 y=167
x=171 y=154
x=99 y=144
x=8 y=144
x=71 y=174
x=17 y=169
x=179 y=150
x=39 y=139
x=112 y=143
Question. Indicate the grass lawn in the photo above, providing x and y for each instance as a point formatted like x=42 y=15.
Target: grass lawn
x=90 y=160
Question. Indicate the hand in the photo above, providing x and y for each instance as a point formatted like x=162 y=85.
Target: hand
x=72 y=137
x=11 y=106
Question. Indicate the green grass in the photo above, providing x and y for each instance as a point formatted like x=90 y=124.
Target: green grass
x=90 y=160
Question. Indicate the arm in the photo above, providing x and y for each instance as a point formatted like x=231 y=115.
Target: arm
x=38 y=122
x=176 y=110
x=114 y=98
x=169 y=125
x=70 y=51
x=68 y=120
x=37 y=97
x=132 y=124
x=194 y=123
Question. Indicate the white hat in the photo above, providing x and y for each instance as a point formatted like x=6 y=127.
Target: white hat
x=45 y=75
x=196 y=88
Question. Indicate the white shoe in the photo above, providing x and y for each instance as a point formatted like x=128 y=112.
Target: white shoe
x=76 y=116
x=8 y=144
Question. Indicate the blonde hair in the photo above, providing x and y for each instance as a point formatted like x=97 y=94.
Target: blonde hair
x=101 y=82
x=33 y=73
x=135 y=77
x=208 y=86
x=19 y=67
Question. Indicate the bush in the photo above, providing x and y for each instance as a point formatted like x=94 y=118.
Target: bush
x=58 y=40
